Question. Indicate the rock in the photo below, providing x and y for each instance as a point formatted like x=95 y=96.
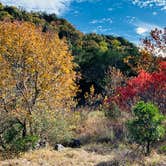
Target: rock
x=75 y=143
x=41 y=143
x=59 y=147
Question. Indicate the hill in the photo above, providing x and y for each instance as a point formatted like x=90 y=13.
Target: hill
x=92 y=52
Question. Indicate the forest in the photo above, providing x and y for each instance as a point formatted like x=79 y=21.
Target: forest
x=64 y=91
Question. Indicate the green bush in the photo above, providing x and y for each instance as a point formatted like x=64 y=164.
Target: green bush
x=162 y=149
x=11 y=134
x=146 y=127
x=14 y=142
x=5 y=15
x=24 y=144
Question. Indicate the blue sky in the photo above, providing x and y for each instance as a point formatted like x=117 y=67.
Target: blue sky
x=132 y=19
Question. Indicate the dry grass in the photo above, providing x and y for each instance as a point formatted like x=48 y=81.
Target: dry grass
x=90 y=155
x=155 y=159
x=48 y=157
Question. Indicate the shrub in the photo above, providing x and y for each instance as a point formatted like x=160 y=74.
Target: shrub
x=24 y=144
x=162 y=149
x=14 y=142
x=95 y=127
x=60 y=128
x=60 y=132
x=112 y=111
x=146 y=128
x=11 y=133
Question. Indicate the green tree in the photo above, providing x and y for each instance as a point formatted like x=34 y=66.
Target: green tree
x=146 y=128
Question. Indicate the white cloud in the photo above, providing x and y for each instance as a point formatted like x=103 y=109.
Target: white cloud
x=164 y=8
x=50 y=6
x=150 y=3
x=154 y=13
x=143 y=28
x=130 y=19
x=103 y=20
x=102 y=30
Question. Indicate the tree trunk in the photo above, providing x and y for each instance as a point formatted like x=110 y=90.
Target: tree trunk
x=30 y=128
x=148 y=148
x=24 y=132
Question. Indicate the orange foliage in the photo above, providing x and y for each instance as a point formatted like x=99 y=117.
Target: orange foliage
x=36 y=71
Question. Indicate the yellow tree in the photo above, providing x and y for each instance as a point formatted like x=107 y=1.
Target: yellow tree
x=36 y=73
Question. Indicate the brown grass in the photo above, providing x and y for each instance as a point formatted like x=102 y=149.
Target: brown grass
x=90 y=155
x=68 y=157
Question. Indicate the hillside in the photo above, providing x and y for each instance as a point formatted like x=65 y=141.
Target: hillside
x=92 y=52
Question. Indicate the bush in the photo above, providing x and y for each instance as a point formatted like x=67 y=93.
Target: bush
x=60 y=132
x=163 y=149
x=112 y=112
x=24 y=144
x=5 y=15
x=14 y=142
x=146 y=128
x=56 y=129
x=95 y=127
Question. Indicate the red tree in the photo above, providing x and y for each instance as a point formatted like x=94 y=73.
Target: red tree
x=146 y=86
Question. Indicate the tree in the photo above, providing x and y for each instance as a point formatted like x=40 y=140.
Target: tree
x=146 y=86
x=95 y=55
x=152 y=52
x=146 y=127
x=37 y=73
x=114 y=78
x=155 y=43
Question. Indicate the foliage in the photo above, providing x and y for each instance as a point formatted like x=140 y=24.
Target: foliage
x=37 y=74
x=93 y=100
x=155 y=43
x=92 y=52
x=149 y=68
x=12 y=140
x=146 y=86
x=112 y=111
x=146 y=127
x=163 y=149
x=152 y=52
x=145 y=61
x=113 y=78
x=23 y=144
x=58 y=129
x=98 y=53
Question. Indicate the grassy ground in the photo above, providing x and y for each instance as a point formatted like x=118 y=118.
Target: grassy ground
x=89 y=155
